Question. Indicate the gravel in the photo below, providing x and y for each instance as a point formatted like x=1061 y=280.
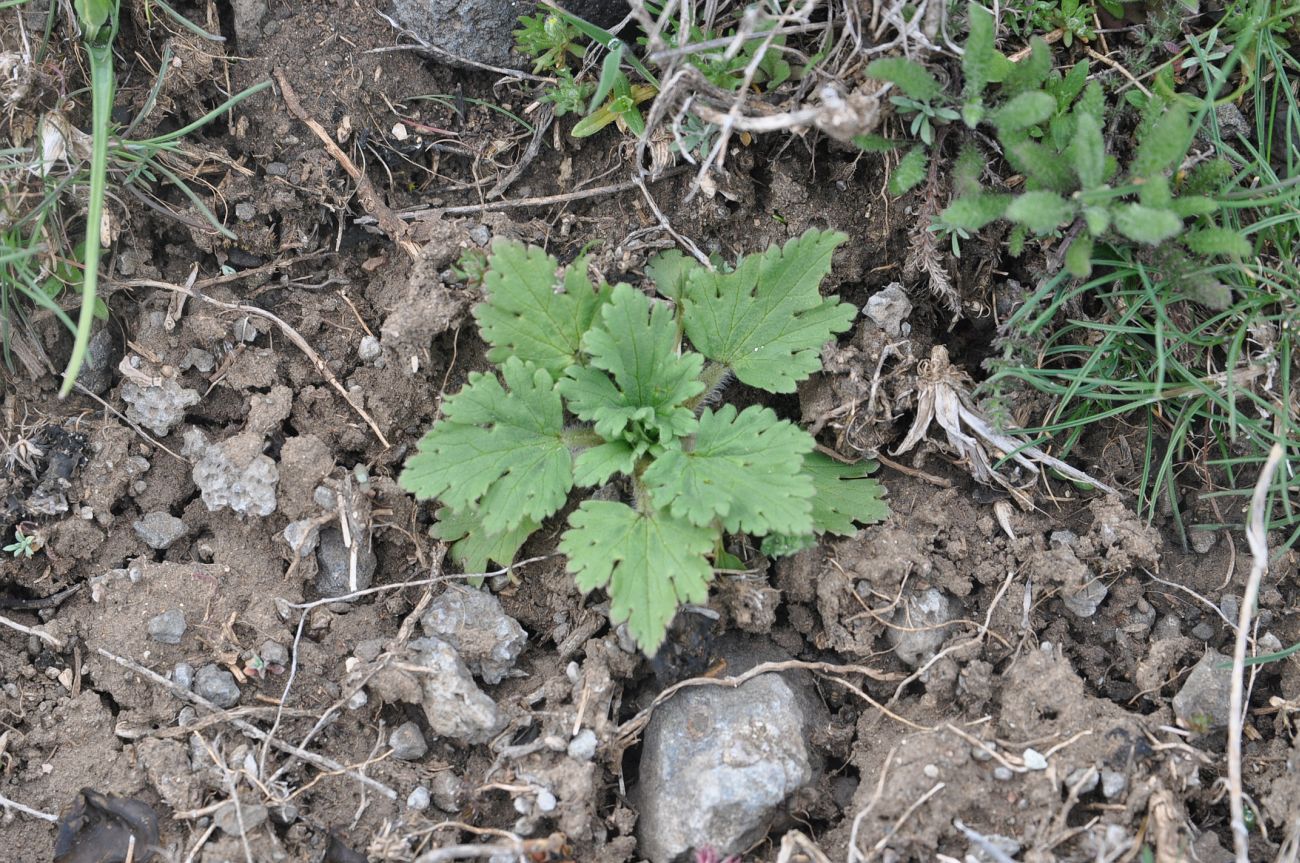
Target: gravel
x=333 y=578
x=168 y=627
x=216 y=685
x=407 y=742
x=472 y=621
x=160 y=529
x=1202 y=703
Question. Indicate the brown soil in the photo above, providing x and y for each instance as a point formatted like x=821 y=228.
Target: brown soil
x=1015 y=671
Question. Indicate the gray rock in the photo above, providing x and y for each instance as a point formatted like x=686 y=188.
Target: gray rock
x=1113 y=783
x=546 y=801
x=407 y=742
x=1002 y=774
x=452 y=701
x=1231 y=121
x=889 y=308
x=277 y=169
x=1084 y=601
x=922 y=633
x=448 y=791
x=717 y=763
x=472 y=621
x=1087 y=776
x=991 y=849
x=97 y=367
x=233 y=473
x=160 y=529
x=274 y=653
x=250 y=815
x=216 y=685
x=183 y=675
x=334 y=575
x=480 y=235
x=302 y=536
x=244 y=210
x=1066 y=538
x=369 y=349
x=583 y=746
x=158 y=408
x=1203 y=540
x=481 y=31
x=418 y=799
x=1202 y=703
x=197 y=358
x=168 y=627
x=1203 y=631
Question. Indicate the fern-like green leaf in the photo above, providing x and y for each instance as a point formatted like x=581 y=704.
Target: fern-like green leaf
x=1078 y=258
x=636 y=383
x=909 y=171
x=649 y=562
x=1031 y=72
x=767 y=320
x=1163 y=144
x=1040 y=211
x=1218 y=241
x=908 y=75
x=972 y=212
x=498 y=452
x=977 y=62
x=1087 y=152
x=1146 y=224
x=530 y=313
x=1025 y=110
x=744 y=470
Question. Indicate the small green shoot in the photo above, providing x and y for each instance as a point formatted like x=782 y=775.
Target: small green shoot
x=24 y=544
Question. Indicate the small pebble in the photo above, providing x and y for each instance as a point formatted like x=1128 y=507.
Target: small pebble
x=418 y=799
x=546 y=801
x=358 y=700
x=369 y=349
x=250 y=815
x=1086 y=775
x=216 y=685
x=277 y=169
x=245 y=211
x=183 y=675
x=1113 y=783
x=168 y=627
x=1003 y=773
x=480 y=235
x=1203 y=631
x=1034 y=760
x=583 y=746
x=159 y=529
x=274 y=653
x=1203 y=540
x=930 y=771
x=407 y=742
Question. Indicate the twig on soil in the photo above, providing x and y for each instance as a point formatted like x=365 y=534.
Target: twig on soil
x=996 y=854
x=422 y=46
x=433 y=214
x=291 y=334
x=202 y=840
x=902 y=819
x=320 y=761
x=1118 y=68
x=519 y=848
x=1257 y=539
x=57 y=644
x=545 y=117
x=6 y=803
x=855 y=856
x=394 y=227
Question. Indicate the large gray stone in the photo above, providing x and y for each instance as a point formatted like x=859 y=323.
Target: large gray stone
x=472 y=621
x=1203 y=702
x=482 y=31
x=452 y=702
x=334 y=577
x=717 y=764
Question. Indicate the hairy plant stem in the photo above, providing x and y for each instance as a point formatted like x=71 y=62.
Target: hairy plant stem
x=715 y=376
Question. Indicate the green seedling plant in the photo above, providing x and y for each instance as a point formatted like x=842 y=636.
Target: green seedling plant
x=24 y=544
x=609 y=387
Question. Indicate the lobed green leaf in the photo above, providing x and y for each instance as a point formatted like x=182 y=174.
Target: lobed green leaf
x=530 y=313
x=649 y=562
x=473 y=548
x=744 y=470
x=497 y=452
x=767 y=320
